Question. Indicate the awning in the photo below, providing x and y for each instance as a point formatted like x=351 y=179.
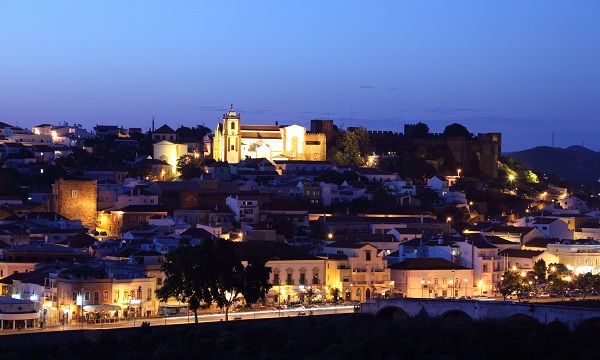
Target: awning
x=381 y=291
x=103 y=307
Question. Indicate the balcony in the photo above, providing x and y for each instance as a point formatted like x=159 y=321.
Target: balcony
x=360 y=270
x=343 y=267
x=289 y=282
x=277 y=282
x=316 y=281
x=362 y=282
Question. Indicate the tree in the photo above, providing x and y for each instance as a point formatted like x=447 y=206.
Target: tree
x=234 y=280
x=351 y=148
x=585 y=282
x=310 y=294
x=457 y=130
x=213 y=272
x=188 y=275
x=511 y=282
x=336 y=294
x=189 y=167
x=196 y=133
x=559 y=279
x=539 y=270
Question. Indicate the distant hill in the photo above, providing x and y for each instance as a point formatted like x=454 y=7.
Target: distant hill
x=572 y=163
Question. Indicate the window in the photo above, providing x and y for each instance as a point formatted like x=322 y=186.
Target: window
x=315 y=279
x=105 y=295
x=140 y=219
x=125 y=294
x=276 y=279
x=133 y=219
x=96 y=297
x=149 y=295
x=485 y=268
x=289 y=279
x=158 y=281
x=232 y=127
x=86 y=296
x=74 y=193
x=302 y=278
x=368 y=255
x=232 y=147
x=74 y=296
x=116 y=298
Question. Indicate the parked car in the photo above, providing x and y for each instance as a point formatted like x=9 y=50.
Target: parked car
x=543 y=295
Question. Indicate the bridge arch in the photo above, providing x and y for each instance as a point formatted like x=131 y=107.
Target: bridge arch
x=392 y=313
x=589 y=326
x=456 y=314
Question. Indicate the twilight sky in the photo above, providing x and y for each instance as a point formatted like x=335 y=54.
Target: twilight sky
x=524 y=68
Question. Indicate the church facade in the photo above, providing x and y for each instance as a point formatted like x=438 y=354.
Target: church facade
x=234 y=141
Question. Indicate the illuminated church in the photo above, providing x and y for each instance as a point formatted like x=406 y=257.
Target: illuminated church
x=234 y=141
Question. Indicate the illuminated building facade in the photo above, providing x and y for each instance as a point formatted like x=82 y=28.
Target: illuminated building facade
x=233 y=141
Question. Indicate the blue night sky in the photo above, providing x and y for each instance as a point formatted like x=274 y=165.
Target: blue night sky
x=524 y=68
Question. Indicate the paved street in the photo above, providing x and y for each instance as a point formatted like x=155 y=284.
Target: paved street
x=177 y=320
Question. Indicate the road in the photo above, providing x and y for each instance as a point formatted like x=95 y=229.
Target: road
x=178 y=320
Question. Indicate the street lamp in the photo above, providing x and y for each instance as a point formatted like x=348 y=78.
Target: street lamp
x=458 y=171
x=429 y=289
x=422 y=288
x=480 y=287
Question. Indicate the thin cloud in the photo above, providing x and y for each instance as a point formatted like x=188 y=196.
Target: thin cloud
x=366 y=87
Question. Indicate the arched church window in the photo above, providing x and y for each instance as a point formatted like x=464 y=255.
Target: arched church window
x=232 y=125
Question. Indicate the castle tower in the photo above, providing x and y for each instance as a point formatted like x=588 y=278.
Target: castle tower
x=75 y=199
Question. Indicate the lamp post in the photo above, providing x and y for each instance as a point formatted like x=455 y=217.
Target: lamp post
x=466 y=288
x=429 y=289
x=480 y=287
x=422 y=288
x=452 y=288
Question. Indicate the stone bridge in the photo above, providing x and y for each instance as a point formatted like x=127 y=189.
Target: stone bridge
x=407 y=307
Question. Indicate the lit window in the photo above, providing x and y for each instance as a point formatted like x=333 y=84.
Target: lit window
x=74 y=193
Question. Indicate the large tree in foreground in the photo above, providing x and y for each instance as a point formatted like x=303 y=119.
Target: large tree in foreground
x=213 y=272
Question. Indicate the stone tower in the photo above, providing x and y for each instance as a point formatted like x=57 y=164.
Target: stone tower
x=75 y=199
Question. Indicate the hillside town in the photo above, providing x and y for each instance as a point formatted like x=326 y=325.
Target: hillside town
x=88 y=216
